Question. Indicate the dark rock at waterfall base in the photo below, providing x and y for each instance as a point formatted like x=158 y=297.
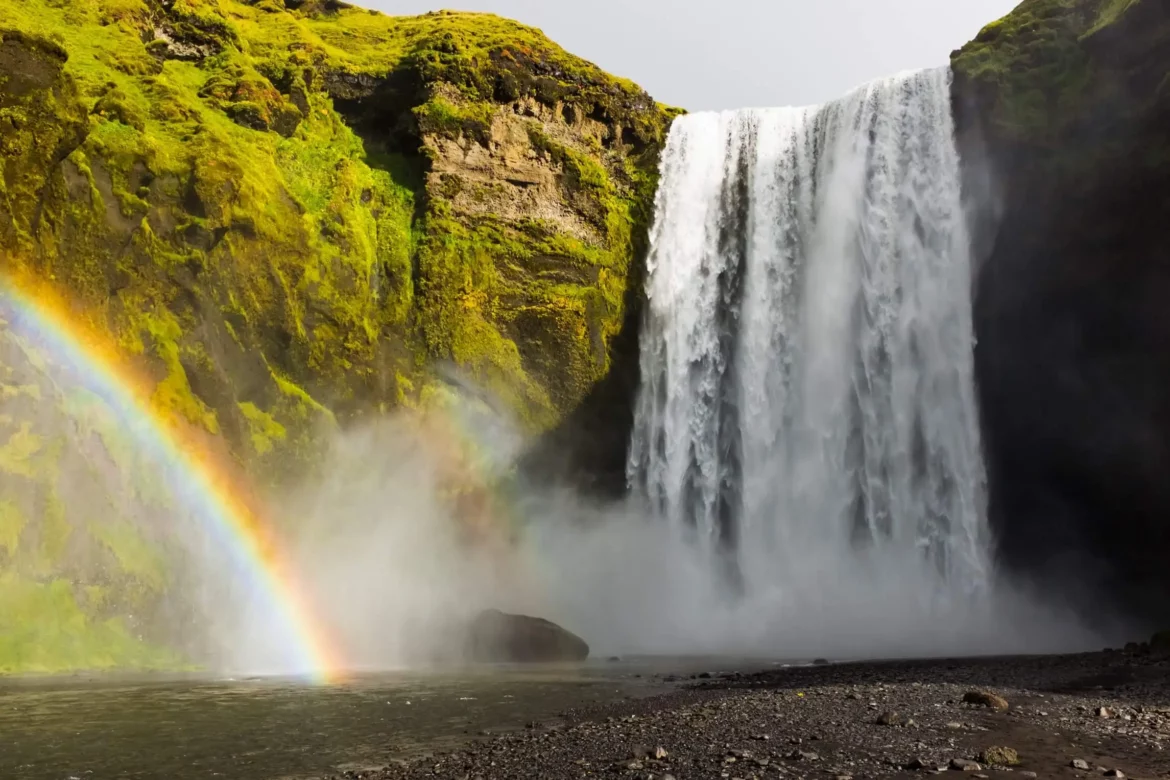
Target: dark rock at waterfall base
x=497 y=637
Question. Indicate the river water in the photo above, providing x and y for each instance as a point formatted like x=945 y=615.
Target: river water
x=263 y=729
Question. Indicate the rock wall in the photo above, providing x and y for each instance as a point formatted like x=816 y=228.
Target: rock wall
x=287 y=214
x=1062 y=109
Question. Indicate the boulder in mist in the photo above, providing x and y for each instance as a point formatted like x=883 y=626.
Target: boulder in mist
x=495 y=636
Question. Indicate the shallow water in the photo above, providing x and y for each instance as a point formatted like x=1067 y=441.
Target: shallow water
x=264 y=729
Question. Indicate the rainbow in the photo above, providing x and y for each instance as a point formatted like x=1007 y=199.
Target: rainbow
x=35 y=309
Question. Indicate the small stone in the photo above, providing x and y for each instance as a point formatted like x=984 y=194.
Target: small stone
x=761 y=737
x=634 y=765
x=915 y=764
x=954 y=726
x=964 y=765
x=1079 y=763
x=854 y=696
x=660 y=753
x=1104 y=712
x=802 y=755
x=982 y=777
x=890 y=719
x=985 y=699
x=1115 y=773
x=1029 y=775
x=1000 y=756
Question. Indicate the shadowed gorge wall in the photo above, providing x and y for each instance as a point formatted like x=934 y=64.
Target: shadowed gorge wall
x=287 y=212
x=1062 y=109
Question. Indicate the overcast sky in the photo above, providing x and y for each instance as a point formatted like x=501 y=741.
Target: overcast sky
x=715 y=54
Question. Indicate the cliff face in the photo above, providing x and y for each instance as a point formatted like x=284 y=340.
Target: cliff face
x=1062 y=109
x=286 y=213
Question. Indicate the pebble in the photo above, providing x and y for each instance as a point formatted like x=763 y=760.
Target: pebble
x=985 y=699
x=709 y=726
x=1079 y=763
x=964 y=765
x=802 y=755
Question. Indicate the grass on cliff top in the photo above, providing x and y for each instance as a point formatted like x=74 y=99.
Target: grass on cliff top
x=1037 y=62
x=1034 y=59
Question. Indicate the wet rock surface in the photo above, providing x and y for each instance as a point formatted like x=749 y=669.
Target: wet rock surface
x=822 y=722
x=496 y=636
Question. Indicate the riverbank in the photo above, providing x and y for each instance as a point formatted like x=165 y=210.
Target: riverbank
x=1081 y=716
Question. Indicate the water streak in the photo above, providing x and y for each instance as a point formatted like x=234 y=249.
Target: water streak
x=808 y=393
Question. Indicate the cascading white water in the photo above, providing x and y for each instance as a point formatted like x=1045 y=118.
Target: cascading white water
x=808 y=406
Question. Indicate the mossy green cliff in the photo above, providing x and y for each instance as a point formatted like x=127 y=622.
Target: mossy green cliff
x=289 y=212
x=1062 y=109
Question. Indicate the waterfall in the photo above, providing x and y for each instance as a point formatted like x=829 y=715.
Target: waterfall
x=807 y=411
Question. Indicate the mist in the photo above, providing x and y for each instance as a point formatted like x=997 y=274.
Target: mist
x=418 y=521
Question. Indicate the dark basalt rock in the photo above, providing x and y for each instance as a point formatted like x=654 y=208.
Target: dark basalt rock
x=495 y=636
x=1061 y=110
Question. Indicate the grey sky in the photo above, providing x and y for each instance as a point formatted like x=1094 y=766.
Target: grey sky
x=714 y=54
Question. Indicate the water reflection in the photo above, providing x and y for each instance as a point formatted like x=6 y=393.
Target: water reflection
x=196 y=727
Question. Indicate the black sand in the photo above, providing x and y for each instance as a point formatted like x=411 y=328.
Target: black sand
x=864 y=720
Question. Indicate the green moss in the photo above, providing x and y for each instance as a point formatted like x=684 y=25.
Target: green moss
x=265 y=431
x=1057 y=80
x=440 y=116
x=54 y=533
x=137 y=557
x=44 y=629
x=1110 y=13
x=18 y=453
x=12 y=523
x=1033 y=62
x=243 y=203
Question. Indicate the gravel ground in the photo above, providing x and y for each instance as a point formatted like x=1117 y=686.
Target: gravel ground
x=1070 y=717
